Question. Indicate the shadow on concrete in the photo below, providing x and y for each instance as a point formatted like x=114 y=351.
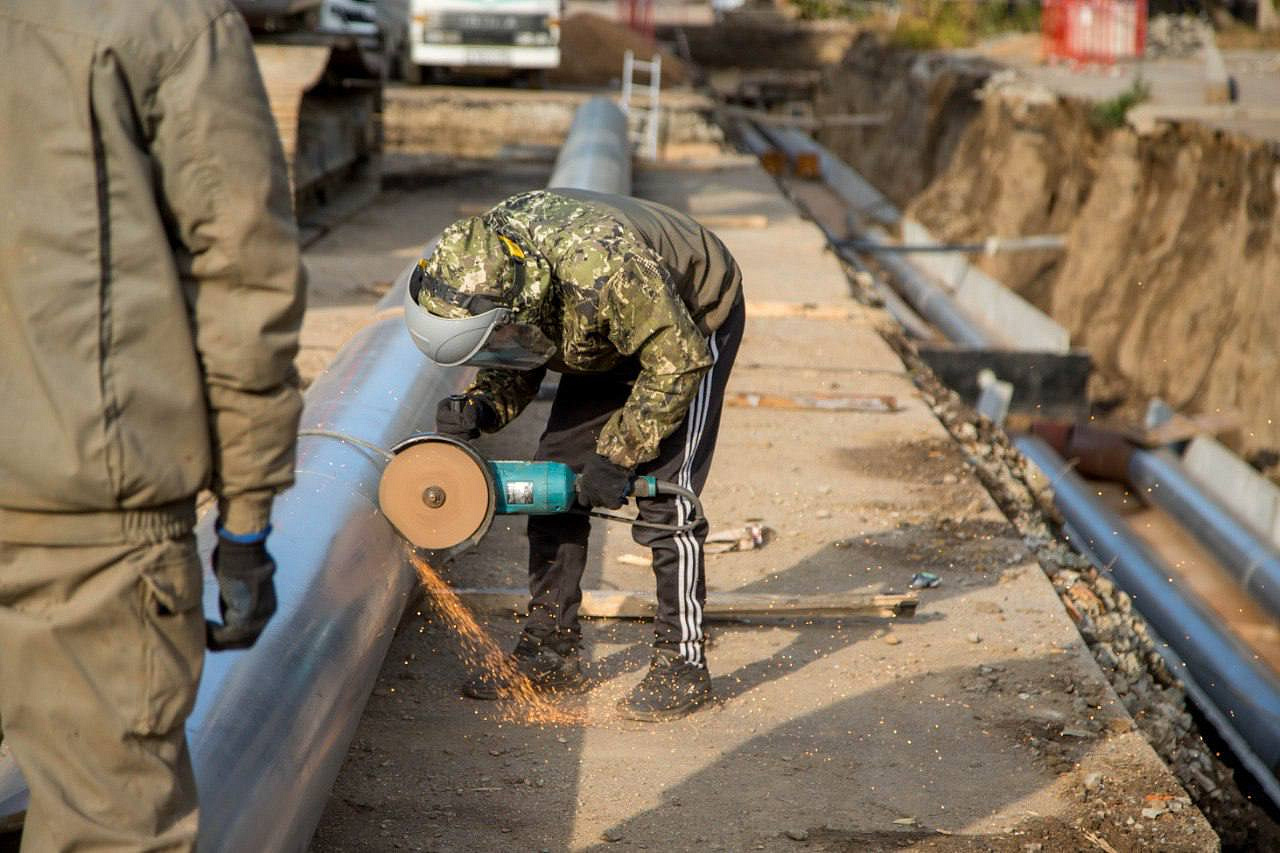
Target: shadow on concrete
x=838 y=778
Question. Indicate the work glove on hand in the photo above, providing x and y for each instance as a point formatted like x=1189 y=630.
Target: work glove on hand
x=246 y=593
x=603 y=483
x=463 y=416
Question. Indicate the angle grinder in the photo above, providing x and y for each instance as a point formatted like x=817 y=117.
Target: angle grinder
x=442 y=495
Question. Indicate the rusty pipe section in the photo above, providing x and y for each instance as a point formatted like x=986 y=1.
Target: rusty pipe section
x=1205 y=654
x=1159 y=478
x=1093 y=452
x=1251 y=559
x=272 y=724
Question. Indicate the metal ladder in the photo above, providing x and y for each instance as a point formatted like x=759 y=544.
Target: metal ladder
x=648 y=142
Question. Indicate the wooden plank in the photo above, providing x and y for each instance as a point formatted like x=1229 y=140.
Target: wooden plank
x=625 y=604
x=768 y=309
x=807 y=165
x=1184 y=428
x=877 y=403
x=773 y=161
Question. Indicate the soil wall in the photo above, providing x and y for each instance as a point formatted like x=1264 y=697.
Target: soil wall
x=768 y=41
x=1171 y=278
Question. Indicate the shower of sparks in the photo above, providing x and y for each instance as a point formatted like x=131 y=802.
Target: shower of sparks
x=481 y=654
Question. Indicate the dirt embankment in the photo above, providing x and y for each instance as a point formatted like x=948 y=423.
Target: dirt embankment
x=927 y=100
x=1171 y=278
x=591 y=50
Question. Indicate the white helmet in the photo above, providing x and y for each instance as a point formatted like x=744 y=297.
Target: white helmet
x=488 y=338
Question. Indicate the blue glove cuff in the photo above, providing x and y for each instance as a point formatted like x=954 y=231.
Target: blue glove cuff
x=243 y=538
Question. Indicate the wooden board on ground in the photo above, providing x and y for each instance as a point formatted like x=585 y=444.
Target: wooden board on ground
x=814 y=402
x=624 y=604
x=1184 y=428
x=760 y=308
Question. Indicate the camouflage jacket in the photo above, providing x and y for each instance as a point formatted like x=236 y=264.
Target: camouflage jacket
x=617 y=279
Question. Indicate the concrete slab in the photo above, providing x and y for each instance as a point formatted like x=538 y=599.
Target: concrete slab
x=972 y=726
x=1178 y=88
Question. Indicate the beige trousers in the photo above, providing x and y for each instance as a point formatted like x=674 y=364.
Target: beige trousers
x=101 y=649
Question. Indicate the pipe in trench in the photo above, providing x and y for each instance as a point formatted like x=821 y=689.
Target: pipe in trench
x=1160 y=478
x=1246 y=691
x=1253 y=561
x=272 y=724
x=1255 y=564
x=930 y=300
x=1221 y=668
x=754 y=140
x=857 y=192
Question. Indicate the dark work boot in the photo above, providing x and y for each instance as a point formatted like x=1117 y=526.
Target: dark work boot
x=550 y=664
x=673 y=688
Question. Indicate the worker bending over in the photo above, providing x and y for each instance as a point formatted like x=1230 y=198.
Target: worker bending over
x=639 y=308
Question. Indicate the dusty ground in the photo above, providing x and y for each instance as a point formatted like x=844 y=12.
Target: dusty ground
x=982 y=723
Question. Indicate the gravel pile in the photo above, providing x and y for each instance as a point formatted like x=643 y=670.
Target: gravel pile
x=1115 y=633
x=1176 y=36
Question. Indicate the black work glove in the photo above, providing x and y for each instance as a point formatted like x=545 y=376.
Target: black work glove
x=246 y=593
x=603 y=483
x=465 y=417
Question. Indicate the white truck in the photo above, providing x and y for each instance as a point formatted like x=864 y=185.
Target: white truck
x=521 y=37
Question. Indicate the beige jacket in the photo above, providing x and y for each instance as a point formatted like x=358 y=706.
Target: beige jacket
x=150 y=284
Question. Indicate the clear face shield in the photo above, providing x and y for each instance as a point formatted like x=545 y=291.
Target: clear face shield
x=482 y=333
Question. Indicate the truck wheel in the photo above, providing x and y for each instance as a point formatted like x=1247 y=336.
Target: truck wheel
x=532 y=78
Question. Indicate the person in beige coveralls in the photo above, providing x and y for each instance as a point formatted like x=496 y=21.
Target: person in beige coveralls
x=150 y=298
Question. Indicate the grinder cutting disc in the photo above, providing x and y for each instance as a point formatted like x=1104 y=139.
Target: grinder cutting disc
x=437 y=492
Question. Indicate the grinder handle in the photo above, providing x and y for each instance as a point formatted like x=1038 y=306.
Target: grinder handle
x=651 y=487
x=643 y=487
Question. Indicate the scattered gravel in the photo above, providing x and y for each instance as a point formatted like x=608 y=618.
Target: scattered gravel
x=1116 y=634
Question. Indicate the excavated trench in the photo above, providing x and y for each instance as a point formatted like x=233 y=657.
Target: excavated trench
x=1170 y=278
x=1171 y=272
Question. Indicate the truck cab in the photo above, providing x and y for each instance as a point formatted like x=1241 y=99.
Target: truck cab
x=513 y=35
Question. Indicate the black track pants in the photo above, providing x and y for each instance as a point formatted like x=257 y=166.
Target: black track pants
x=558 y=543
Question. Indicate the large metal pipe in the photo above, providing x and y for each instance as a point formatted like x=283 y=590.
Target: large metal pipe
x=753 y=140
x=1251 y=559
x=932 y=301
x=597 y=153
x=1245 y=691
x=272 y=724
x=13 y=792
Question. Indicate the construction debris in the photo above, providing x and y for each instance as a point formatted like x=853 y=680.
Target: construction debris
x=924 y=580
x=747 y=538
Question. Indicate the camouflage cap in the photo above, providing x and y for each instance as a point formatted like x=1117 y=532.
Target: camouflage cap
x=473 y=260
